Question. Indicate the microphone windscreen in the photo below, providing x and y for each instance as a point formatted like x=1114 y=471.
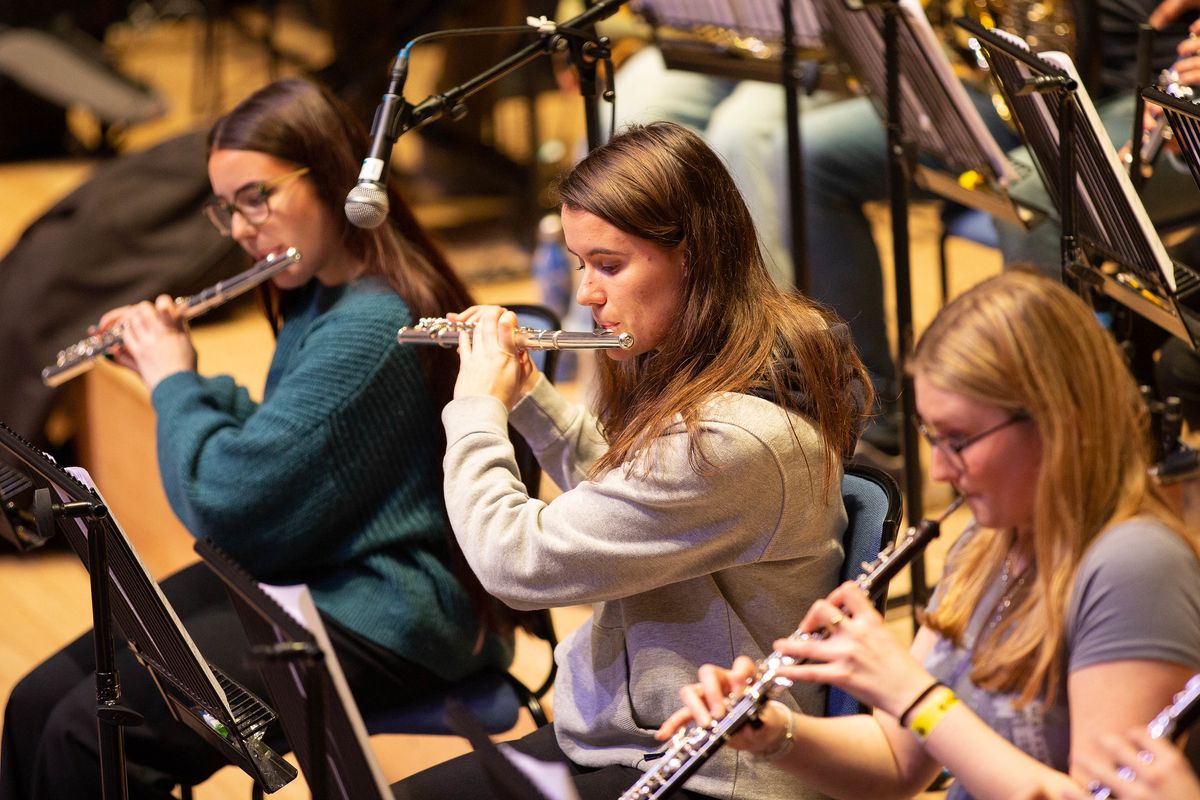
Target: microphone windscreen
x=367 y=205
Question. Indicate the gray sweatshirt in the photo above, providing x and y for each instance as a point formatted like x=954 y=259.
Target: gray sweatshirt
x=682 y=569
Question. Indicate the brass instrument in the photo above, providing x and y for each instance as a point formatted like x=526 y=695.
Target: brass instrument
x=690 y=747
x=81 y=356
x=1169 y=724
x=444 y=333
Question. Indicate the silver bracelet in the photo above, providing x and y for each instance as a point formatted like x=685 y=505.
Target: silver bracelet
x=784 y=745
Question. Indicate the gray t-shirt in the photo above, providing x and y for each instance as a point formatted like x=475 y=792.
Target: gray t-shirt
x=1137 y=596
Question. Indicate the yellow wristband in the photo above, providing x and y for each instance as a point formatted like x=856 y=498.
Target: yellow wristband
x=931 y=713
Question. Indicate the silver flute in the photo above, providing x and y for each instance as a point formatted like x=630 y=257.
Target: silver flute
x=690 y=747
x=444 y=333
x=1168 y=724
x=81 y=356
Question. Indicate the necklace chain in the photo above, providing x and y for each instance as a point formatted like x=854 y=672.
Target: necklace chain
x=1009 y=589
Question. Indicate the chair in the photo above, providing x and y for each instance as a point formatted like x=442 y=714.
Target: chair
x=873 y=510
x=963 y=223
x=494 y=698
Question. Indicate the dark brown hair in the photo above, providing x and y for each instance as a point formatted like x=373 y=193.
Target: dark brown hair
x=300 y=122
x=737 y=331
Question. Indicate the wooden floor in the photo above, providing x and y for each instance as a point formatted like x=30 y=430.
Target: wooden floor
x=45 y=595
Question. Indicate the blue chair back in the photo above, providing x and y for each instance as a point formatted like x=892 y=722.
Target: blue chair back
x=873 y=510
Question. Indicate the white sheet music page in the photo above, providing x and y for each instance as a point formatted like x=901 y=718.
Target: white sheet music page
x=297 y=601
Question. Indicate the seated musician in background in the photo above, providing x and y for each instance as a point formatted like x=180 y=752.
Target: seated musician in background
x=331 y=480
x=1070 y=608
x=702 y=500
x=844 y=150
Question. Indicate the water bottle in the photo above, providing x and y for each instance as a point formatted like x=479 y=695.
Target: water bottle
x=551 y=266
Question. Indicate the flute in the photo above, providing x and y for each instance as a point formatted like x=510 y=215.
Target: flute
x=444 y=333
x=1168 y=724
x=81 y=356
x=689 y=748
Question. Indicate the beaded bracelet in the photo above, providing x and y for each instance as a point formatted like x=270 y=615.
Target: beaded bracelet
x=928 y=690
x=931 y=714
x=784 y=745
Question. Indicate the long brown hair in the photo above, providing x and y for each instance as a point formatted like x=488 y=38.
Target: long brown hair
x=737 y=331
x=298 y=121
x=1026 y=344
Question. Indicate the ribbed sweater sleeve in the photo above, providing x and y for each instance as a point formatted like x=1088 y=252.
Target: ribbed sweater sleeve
x=338 y=426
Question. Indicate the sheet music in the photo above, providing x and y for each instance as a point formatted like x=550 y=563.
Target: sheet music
x=552 y=779
x=1140 y=218
x=759 y=18
x=297 y=601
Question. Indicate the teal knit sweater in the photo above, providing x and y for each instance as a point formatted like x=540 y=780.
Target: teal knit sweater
x=333 y=479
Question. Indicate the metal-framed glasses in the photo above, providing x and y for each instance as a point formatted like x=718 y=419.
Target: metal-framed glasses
x=953 y=446
x=251 y=201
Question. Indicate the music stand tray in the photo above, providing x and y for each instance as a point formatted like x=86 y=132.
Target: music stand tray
x=1121 y=254
x=937 y=115
x=225 y=714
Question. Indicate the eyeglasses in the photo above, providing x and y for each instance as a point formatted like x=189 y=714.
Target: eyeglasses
x=953 y=446
x=250 y=201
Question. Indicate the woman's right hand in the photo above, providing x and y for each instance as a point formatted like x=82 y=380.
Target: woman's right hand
x=489 y=362
x=705 y=701
x=155 y=341
x=1137 y=766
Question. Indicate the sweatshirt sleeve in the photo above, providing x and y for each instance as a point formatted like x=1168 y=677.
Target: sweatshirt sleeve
x=632 y=530
x=563 y=435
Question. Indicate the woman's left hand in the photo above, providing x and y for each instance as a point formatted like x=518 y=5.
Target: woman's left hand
x=859 y=655
x=489 y=363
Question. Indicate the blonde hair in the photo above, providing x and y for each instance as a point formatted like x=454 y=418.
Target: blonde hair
x=1028 y=345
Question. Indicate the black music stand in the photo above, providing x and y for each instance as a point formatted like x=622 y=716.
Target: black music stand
x=892 y=49
x=792 y=23
x=1109 y=243
x=199 y=695
x=319 y=716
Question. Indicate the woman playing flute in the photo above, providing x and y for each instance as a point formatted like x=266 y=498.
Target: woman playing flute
x=331 y=480
x=1069 y=609
x=701 y=498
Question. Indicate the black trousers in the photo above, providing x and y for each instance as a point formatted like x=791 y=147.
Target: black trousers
x=49 y=749
x=470 y=782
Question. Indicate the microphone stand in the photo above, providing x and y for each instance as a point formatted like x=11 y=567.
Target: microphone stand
x=899 y=167
x=791 y=106
x=575 y=35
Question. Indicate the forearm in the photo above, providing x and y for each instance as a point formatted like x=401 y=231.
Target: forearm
x=853 y=757
x=960 y=740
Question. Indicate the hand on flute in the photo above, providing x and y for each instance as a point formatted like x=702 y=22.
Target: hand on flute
x=155 y=341
x=1136 y=766
x=490 y=364
x=705 y=701
x=859 y=655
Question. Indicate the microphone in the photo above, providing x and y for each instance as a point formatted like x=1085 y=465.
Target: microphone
x=367 y=203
